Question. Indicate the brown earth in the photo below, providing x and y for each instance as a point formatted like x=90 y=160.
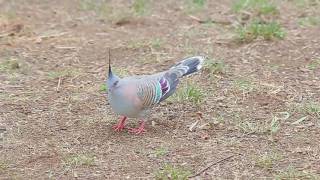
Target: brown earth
x=55 y=121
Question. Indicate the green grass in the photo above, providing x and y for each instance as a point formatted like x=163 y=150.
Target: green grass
x=88 y=5
x=306 y=111
x=267 y=160
x=255 y=29
x=137 y=44
x=7 y=15
x=257 y=25
x=274 y=126
x=214 y=67
x=306 y=3
x=141 y=7
x=244 y=85
x=8 y=65
x=218 y=120
x=103 y=87
x=161 y=151
x=100 y=7
x=195 y=5
x=50 y=174
x=259 y=6
x=275 y=123
x=314 y=64
x=188 y=93
x=248 y=127
x=300 y=3
x=312 y=109
x=198 y=3
x=79 y=160
x=268 y=127
x=156 y=43
x=170 y=172
x=63 y=73
x=3 y=166
x=293 y=173
x=309 y=21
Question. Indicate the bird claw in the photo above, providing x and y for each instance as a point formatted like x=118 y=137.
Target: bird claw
x=121 y=125
x=118 y=127
x=138 y=130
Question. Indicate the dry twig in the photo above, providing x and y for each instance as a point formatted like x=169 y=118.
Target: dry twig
x=201 y=21
x=210 y=165
x=58 y=86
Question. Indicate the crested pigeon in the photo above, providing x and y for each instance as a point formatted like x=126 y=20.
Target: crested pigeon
x=132 y=97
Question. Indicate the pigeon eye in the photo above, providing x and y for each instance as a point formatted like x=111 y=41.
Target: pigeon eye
x=115 y=83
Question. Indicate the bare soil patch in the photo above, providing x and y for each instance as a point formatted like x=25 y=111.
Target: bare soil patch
x=260 y=105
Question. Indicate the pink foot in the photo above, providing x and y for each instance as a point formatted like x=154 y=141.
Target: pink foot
x=138 y=130
x=121 y=124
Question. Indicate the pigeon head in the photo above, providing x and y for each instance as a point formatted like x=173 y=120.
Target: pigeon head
x=113 y=81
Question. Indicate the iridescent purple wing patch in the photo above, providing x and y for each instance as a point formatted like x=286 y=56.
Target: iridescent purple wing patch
x=164 y=86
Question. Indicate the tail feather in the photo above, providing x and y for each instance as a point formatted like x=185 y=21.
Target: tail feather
x=183 y=68
x=188 y=66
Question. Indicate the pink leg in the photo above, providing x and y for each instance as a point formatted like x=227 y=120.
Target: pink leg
x=120 y=126
x=138 y=130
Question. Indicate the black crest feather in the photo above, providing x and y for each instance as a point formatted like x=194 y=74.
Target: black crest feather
x=109 y=58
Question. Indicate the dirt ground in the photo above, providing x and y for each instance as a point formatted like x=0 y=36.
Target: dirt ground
x=261 y=107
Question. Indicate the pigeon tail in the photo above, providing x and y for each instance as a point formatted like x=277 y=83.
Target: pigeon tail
x=188 y=66
x=182 y=68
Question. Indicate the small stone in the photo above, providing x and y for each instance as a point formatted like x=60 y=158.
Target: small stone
x=75 y=174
